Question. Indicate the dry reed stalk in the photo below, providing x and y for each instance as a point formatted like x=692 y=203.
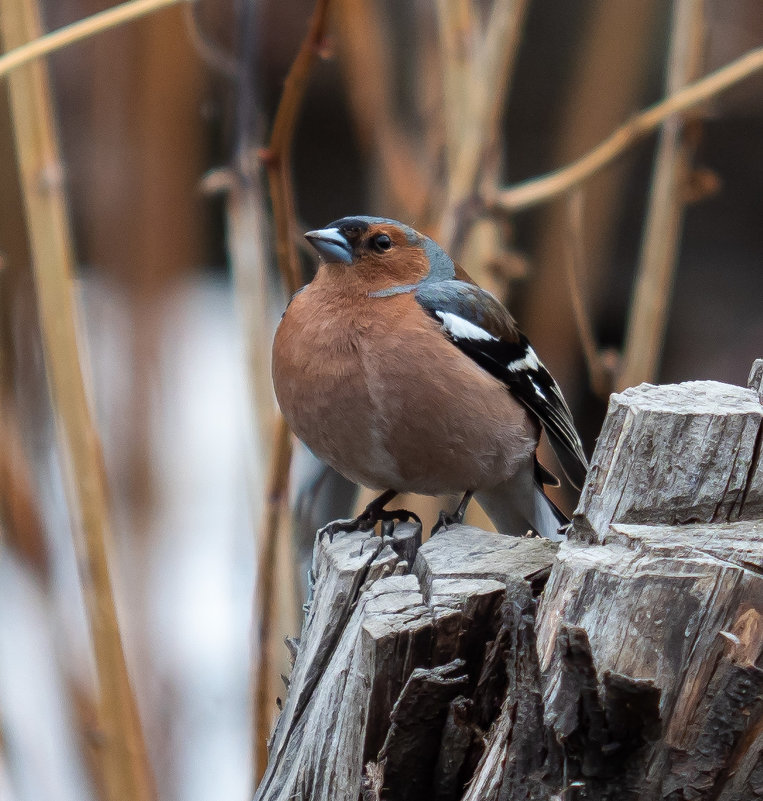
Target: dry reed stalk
x=478 y=62
x=125 y=763
x=277 y=161
x=405 y=173
x=85 y=712
x=539 y=190
x=83 y=29
x=647 y=321
x=248 y=254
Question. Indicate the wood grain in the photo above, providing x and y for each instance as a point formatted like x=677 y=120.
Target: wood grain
x=671 y=454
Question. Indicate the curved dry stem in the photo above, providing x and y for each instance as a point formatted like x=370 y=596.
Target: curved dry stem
x=277 y=155
x=276 y=158
x=547 y=187
x=83 y=29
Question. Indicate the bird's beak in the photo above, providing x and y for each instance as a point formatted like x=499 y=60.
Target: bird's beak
x=332 y=245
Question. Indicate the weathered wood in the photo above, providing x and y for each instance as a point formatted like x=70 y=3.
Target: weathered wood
x=671 y=454
x=752 y=507
x=679 y=609
x=382 y=656
x=667 y=595
x=755 y=381
x=626 y=663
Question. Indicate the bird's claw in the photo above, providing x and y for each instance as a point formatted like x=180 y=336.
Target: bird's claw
x=366 y=522
x=330 y=530
x=457 y=518
x=443 y=521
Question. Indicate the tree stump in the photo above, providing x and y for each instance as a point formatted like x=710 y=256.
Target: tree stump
x=624 y=663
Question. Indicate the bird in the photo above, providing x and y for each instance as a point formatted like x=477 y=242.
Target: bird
x=396 y=369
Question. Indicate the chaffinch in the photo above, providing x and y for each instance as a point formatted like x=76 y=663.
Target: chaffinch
x=397 y=370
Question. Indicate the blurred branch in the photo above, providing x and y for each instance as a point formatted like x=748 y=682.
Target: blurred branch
x=19 y=513
x=600 y=364
x=85 y=717
x=277 y=489
x=655 y=274
x=458 y=40
x=123 y=751
x=477 y=65
x=84 y=28
x=278 y=152
x=364 y=37
x=547 y=187
x=277 y=161
x=214 y=55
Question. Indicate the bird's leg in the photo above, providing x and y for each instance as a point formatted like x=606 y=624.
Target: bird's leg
x=457 y=517
x=369 y=517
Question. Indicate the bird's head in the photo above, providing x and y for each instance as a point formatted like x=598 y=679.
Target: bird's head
x=384 y=255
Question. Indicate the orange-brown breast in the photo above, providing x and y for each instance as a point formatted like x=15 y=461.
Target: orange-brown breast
x=372 y=387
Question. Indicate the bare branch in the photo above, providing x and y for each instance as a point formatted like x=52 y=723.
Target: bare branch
x=83 y=29
x=276 y=156
x=478 y=65
x=547 y=187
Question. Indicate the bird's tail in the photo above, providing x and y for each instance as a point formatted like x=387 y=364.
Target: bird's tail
x=517 y=505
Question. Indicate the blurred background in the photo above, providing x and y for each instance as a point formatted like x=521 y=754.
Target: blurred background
x=421 y=111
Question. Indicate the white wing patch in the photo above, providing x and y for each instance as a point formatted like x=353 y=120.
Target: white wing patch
x=459 y=328
x=528 y=362
x=538 y=390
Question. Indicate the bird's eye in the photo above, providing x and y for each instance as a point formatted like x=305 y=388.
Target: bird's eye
x=381 y=242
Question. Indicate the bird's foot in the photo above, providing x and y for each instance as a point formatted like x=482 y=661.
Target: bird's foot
x=457 y=518
x=330 y=530
x=371 y=515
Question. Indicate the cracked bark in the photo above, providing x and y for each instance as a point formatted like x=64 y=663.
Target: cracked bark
x=448 y=671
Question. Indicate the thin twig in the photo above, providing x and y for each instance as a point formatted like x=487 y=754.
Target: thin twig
x=277 y=155
x=655 y=275
x=547 y=187
x=84 y=28
x=122 y=749
x=277 y=490
x=277 y=162
x=599 y=372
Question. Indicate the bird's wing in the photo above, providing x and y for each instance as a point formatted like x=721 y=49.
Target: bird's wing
x=480 y=326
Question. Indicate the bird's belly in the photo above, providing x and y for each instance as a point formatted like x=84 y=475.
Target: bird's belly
x=386 y=423
x=326 y=402
x=451 y=437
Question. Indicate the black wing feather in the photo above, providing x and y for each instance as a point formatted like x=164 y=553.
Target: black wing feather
x=507 y=355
